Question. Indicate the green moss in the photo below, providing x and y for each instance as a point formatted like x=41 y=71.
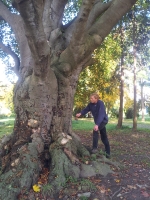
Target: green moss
x=61 y=168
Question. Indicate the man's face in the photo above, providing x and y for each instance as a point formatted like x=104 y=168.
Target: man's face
x=93 y=99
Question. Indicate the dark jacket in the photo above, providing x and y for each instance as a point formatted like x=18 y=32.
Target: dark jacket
x=98 y=112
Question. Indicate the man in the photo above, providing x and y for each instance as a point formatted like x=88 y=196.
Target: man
x=97 y=109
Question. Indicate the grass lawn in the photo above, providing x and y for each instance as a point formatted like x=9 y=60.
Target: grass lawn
x=6 y=125
x=87 y=124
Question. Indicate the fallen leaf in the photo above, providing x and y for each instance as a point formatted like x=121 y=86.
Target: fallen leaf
x=117 y=180
x=36 y=188
x=101 y=189
x=131 y=187
x=145 y=194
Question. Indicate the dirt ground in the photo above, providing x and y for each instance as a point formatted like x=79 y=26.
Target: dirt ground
x=129 y=182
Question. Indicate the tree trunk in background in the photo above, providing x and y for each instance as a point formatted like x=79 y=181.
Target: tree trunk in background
x=142 y=101
x=120 y=119
x=134 y=74
x=135 y=92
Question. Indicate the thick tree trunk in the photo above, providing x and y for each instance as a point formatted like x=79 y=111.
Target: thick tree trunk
x=22 y=154
x=42 y=136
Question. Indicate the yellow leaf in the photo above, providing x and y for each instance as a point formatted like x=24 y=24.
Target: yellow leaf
x=36 y=188
x=117 y=180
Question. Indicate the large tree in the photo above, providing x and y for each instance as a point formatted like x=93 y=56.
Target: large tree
x=52 y=55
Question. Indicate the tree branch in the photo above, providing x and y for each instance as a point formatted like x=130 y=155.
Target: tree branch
x=16 y=23
x=31 y=12
x=79 y=25
x=1 y=18
x=52 y=15
x=9 y=17
x=57 y=11
x=118 y=8
x=8 y=50
x=98 y=9
x=102 y=27
x=92 y=38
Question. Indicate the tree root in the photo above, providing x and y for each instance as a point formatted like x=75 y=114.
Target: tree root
x=65 y=160
x=23 y=171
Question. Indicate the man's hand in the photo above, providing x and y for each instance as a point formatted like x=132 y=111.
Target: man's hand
x=78 y=114
x=95 y=128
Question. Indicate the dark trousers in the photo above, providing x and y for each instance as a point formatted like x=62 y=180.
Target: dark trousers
x=103 y=138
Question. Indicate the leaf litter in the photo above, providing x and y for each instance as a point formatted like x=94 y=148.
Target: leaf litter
x=132 y=182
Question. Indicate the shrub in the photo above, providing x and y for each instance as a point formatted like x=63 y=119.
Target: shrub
x=129 y=113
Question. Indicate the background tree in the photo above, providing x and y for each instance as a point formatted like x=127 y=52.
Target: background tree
x=6 y=97
x=122 y=44
x=100 y=76
x=134 y=49
x=51 y=56
x=143 y=81
x=140 y=38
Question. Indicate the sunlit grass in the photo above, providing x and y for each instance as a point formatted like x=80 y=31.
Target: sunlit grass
x=83 y=124
x=88 y=124
x=6 y=126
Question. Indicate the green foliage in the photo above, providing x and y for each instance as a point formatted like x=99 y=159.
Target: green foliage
x=114 y=113
x=47 y=189
x=89 y=184
x=6 y=93
x=128 y=103
x=71 y=179
x=136 y=36
x=148 y=109
x=71 y=10
x=7 y=37
x=101 y=76
x=128 y=107
x=93 y=157
x=9 y=99
x=6 y=126
x=83 y=124
x=84 y=198
x=133 y=34
x=129 y=113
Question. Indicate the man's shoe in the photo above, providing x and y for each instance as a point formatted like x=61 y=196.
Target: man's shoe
x=94 y=150
x=108 y=156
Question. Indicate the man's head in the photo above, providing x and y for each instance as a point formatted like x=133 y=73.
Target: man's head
x=94 y=98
